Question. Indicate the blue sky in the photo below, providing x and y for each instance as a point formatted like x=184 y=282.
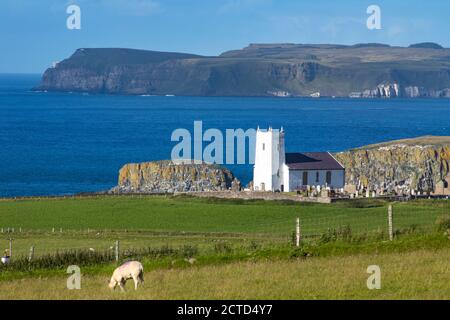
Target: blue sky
x=33 y=33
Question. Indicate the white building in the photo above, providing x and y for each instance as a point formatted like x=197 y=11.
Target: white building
x=275 y=170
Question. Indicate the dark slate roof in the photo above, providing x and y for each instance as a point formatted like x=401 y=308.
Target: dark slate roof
x=312 y=161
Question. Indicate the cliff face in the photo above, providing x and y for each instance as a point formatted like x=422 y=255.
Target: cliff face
x=413 y=164
x=364 y=71
x=394 y=90
x=165 y=176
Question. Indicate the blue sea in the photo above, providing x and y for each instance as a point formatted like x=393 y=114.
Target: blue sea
x=66 y=143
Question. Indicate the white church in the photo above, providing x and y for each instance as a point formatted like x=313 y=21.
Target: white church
x=275 y=170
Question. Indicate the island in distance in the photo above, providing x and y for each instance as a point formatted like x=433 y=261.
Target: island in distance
x=284 y=70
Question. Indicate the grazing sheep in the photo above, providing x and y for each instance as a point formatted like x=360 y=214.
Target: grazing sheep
x=5 y=259
x=129 y=270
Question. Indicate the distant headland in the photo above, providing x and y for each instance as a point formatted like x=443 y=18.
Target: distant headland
x=284 y=70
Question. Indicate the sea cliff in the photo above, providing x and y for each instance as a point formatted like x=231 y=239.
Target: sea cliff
x=410 y=165
x=281 y=70
x=402 y=167
x=166 y=176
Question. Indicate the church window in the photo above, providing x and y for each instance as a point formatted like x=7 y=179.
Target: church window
x=305 y=178
x=328 y=177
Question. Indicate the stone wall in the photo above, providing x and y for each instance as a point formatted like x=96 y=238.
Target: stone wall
x=260 y=195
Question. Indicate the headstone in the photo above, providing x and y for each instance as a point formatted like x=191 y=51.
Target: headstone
x=439 y=189
x=324 y=193
x=350 y=188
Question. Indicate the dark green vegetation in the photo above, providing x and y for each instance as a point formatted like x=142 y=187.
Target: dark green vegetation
x=197 y=215
x=257 y=70
x=174 y=224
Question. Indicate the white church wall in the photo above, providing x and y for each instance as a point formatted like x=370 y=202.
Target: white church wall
x=296 y=178
x=269 y=158
x=286 y=183
x=262 y=172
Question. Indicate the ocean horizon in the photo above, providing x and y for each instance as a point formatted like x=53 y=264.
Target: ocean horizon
x=55 y=143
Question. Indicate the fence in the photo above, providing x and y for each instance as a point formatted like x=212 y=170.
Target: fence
x=343 y=223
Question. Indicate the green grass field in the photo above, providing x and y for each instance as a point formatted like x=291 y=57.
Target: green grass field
x=243 y=248
x=158 y=220
x=417 y=274
x=158 y=213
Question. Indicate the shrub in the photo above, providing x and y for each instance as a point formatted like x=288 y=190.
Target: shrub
x=61 y=260
x=301 y=252
x=188 y=251
x=443 y=223
x=222 y=247
x=333 y=234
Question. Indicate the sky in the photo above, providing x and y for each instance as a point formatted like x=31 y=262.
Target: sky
x=33 y=33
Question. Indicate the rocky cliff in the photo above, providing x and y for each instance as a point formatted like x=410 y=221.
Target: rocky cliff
x=418 y=164
x=283 y=70
x=165 y=176
x=394 y=90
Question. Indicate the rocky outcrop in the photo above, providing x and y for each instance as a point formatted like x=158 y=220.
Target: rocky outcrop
x=383 y=90
x=408 y=165
x=393 y=90
x=166 y=176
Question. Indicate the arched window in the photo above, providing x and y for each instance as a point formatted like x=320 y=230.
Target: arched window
x=328 y=177
x=305 y=178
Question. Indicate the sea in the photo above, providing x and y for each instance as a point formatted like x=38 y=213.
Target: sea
x=67 y=143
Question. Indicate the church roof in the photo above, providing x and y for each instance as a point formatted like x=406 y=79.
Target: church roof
x=312 y=161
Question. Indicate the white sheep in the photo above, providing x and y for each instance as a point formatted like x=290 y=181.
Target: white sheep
x=129 y=270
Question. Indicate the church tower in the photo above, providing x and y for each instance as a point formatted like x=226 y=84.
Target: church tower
x=269 y=160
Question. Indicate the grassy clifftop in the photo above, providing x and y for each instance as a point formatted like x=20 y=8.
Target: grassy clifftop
x=363 y=70
x=418 y=141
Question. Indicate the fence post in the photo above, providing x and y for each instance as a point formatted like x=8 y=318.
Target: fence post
x=10 y=248
x=390 y=227
x=31 y=255
x=297 y=233
x=117 y=251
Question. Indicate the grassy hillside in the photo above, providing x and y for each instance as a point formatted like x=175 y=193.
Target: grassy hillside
x=241 y=249
x=189 y=214
x=155 y=221
x=418 y=274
